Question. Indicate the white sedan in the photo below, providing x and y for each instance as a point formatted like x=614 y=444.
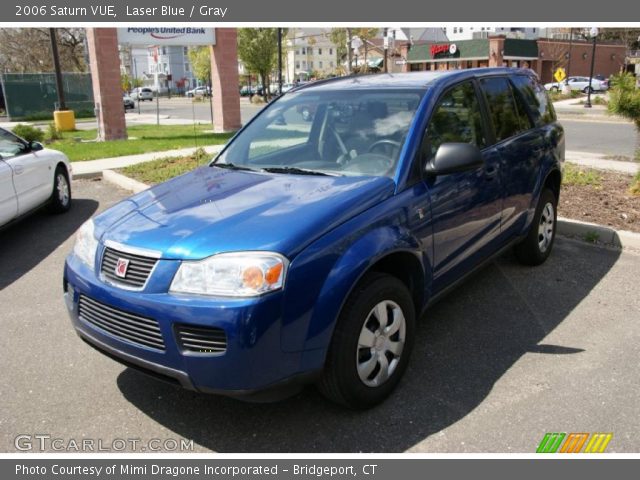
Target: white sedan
x=579 y=83
x=31 y=176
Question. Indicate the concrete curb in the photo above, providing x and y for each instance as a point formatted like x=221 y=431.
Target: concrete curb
x=598 y=234
x=123 y=181
x=587 y=232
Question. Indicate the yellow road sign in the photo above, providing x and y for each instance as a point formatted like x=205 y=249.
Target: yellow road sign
x=560 y=74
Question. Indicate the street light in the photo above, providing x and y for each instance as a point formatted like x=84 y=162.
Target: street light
x=594 y=34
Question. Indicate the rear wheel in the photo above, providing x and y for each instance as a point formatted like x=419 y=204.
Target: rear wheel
x=371 y=344
x=536 y=247
x=61 y=196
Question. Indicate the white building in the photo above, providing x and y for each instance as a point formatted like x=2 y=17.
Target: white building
x=309 y=51
x=468 y=33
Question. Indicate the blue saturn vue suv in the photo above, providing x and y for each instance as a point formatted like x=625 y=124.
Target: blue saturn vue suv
x=306 y=250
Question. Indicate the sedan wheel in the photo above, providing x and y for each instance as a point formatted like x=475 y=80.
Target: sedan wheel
x=546 y=227
x=61 y=196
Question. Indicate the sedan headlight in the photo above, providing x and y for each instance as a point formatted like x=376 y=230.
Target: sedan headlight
x=241 y=274
x=86 y=243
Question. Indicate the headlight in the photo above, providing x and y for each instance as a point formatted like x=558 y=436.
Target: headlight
x=242 y=274
x=86 y=244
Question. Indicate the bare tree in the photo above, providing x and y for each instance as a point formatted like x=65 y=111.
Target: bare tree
x=28 y=50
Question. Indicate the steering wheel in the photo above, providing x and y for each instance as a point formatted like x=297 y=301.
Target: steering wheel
x=389 y=147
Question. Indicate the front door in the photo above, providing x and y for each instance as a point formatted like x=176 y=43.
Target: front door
x=8 y=201
x=466 y=207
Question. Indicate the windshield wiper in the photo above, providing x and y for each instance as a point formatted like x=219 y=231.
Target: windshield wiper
x=231 y=166
x=294 y=171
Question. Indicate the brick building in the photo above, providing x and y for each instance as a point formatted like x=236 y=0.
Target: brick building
x=542 y=55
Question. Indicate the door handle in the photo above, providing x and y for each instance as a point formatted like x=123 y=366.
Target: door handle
x=18 y=169
x=490 y=172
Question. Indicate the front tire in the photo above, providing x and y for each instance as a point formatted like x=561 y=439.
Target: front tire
x=371 y=344
x=536 y=247
x=61 y=196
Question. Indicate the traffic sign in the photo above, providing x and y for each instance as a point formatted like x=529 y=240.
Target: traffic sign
x=560 y=74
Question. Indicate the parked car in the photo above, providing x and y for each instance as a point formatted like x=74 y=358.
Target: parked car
x=31 y=177
x=128 y=102
x=579 y=83
x=199 y=92
x=142 y=93
x=306 y=253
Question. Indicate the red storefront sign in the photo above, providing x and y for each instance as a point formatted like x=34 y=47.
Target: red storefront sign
x=443 y=48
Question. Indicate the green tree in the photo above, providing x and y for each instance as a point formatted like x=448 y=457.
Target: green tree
x=338 y=37
x=366 y=35
x=258 y=50
x=624 y=100
x=200 y=58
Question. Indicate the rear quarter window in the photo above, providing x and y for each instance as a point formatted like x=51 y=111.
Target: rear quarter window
x=536 y=98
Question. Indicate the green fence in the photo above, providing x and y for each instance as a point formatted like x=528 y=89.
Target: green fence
x=34 y=96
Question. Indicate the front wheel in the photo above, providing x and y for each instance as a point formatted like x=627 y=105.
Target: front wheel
x=537 y=245
x=61 y=196
x=371 y=343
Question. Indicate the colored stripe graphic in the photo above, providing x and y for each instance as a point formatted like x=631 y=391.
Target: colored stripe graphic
x=550 y=442
x=574 y=442
x=598 y=442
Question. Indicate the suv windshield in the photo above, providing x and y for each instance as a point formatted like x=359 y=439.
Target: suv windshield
x=346 y=132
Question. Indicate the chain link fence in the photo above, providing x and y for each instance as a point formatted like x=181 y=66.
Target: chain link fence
x=34 y=96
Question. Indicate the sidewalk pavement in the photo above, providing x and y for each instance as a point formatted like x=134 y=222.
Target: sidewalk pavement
x=598 y=161
x=91 y=168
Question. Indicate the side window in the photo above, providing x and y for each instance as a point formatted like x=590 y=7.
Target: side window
x=536 y=97
x=502 y=108
x=10 y=145
x=456 y=118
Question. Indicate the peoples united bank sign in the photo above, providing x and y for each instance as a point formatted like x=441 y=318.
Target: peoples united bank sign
x=146 y=36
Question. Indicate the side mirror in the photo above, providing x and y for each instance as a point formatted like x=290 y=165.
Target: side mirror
x=453 y=158
x=35 y=146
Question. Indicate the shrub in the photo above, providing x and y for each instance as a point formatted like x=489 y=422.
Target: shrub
x=634 y=189
x=53 y=133
x=574 y=175
x=29 y=132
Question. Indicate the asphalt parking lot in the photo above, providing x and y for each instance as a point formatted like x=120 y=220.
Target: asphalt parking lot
x=512 y=354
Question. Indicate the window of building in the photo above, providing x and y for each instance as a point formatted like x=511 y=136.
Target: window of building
x=187 y=67
x=457 y=118
x=320 y=64
x=304 y=64
x=461 y=29
x=455 y=29
x=298 y=51
x=185 y=50
x=502 y=108
x=311 y=64
x=164 y=50
x=304 y=51
x=331 y=51
x=319 y=51
x=297 y=65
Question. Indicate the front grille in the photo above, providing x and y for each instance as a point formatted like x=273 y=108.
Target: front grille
x=138 y=270
x=134 y=328
x=201 y=339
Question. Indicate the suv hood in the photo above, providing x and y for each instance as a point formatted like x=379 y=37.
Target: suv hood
x=212 y=210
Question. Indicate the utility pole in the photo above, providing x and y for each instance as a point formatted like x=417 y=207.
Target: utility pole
x=385 y=39
x=56 y=65
x=279 y=61
x=569 y=60
x=349 y=51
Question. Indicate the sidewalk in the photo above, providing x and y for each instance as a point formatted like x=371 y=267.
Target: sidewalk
x=594 y=160
x=92 y=168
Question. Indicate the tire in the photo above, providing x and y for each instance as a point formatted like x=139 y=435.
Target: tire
x=353 y=352
x=536 y=247
x=586 y=90
x=61 y=196
x=554 y=89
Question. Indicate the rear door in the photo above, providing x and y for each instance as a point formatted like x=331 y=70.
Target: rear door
x=521 y=148
x=466 y=206
x=8 y=200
